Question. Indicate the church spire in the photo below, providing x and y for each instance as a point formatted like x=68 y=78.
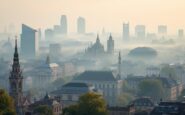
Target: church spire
x=119 y=66
x=16 y=81
x=98 y=39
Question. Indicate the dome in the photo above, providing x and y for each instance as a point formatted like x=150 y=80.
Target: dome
x=143 y=52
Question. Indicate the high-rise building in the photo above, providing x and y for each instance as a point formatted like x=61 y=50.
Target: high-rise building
x=81 y=25
x=110 y=45
x=49 y=34
x=55 y=51
x=16 y=83
x=140 y=31
x=63 y=24
x=126 y=31
x=180 y=33
x=29 y=42
x=162 y=30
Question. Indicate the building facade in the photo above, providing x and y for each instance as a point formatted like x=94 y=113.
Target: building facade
x=29 y=42
x=105 y=81
x=81 y=25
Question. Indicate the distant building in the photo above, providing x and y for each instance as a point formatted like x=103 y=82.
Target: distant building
x=81 y=25
x=162 y=30
x=105 y=81
x=68 y=69
x=172 y=87
x=97 y=49
x=169 y=108
x=140 y=31
x=143 y=104
x=52 y=103
x=57 y=29
x=55 y=51
x=126 y=31
x=110 y=45
x=150 y=71
x=70 y=92
x=180 y=33
x=44 y=73
x=63 y=24
x=128 y=110
x=39 y=34
x=49 y=34
x=29 y=42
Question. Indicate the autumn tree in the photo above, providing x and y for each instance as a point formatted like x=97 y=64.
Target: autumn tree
x=6 y=104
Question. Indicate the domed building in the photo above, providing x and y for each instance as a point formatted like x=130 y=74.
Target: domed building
x=143 y=52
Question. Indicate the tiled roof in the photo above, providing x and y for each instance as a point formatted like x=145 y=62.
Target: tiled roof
x=96 y=76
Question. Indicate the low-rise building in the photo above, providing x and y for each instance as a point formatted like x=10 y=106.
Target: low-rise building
x=70 y=92
x=129 y=110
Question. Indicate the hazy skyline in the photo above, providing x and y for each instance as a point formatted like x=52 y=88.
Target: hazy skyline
x=98 y=13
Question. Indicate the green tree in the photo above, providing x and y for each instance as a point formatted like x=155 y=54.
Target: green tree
x=88 y=104
x=92 y=104
x=71 y=110
x=169 y=71
x=42 y=110
x=151 y=88
x=6 y=104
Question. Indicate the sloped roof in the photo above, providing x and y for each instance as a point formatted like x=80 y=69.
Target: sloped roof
x=96 y=76
x=75 y=84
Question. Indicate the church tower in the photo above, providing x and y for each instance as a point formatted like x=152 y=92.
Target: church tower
x=16 y=81
x=110 y=45
x=119 y=66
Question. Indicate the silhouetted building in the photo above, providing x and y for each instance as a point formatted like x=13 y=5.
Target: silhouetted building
x=97 y=49
x=140 y=31
x=39 y=34
x=49 y=34
x=110 y=45
x=29 y=42
x=57 y=29
x=180 y=33
x=63 y=24
x=81 y=25
x=126 y=31
x=16 y=83
x=162 y=30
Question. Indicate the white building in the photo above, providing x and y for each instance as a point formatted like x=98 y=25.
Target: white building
x=105 y=81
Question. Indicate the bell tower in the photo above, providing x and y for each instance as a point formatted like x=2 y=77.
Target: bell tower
x=16 y=81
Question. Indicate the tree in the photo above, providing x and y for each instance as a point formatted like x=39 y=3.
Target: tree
x=42 y=110
x=71 y=110
x=92 y=104
x=169 y=71
x=88 y=104
x=6 y=104
x=151 y=88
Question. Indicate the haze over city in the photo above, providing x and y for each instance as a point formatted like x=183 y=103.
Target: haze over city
x=92 y=57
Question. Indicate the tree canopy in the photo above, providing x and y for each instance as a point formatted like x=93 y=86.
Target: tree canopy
x=6 y=104
x=88 y=104
x=42 y=110
x=151 y=88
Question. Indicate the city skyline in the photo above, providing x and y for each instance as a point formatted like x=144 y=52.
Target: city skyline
x=150 y=13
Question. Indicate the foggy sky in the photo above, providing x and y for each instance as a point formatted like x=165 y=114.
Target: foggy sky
x=98 y=13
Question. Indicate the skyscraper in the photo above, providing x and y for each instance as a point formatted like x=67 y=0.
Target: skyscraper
x=110 y=45
x=81 y=25
x=140 y=31
x=162 y=30
x=126 y=31
x=180 y=33
x=63 y=24
x=16 y=82
x=29 y=42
